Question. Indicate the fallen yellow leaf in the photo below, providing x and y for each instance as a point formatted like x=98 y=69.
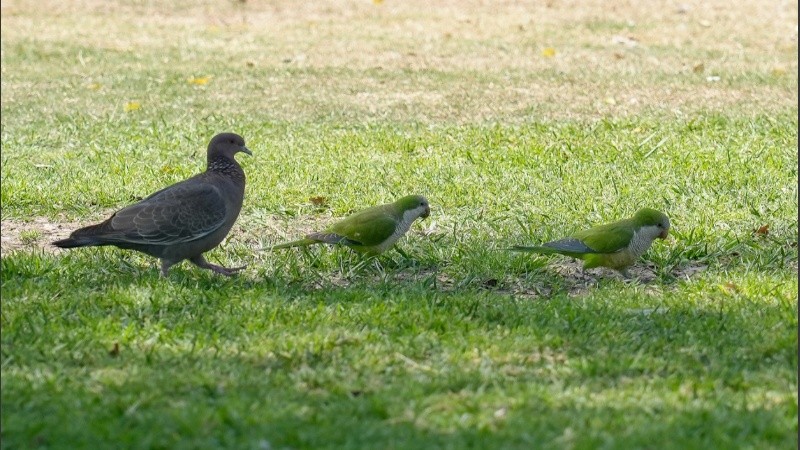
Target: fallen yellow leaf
x=94 y=86
x=377 y=2
x=548 y=52
x=132 y=106
x=199 y=81
x=778 y=71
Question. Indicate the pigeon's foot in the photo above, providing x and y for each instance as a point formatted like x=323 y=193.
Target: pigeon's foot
x=201 y=262
x=165 y=265
x=227 y=271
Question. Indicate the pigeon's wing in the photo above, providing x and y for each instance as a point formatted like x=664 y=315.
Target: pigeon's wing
x=180 y=213
x=369 y=227
x=609 y=238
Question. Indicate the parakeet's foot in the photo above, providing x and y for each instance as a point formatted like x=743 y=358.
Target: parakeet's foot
x=402 y=253
x=409 y=260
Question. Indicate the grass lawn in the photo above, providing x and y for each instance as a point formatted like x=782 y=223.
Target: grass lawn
x=520 y=123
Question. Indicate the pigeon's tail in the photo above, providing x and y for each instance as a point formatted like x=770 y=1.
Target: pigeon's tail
x=297 y=243
x=83 y=237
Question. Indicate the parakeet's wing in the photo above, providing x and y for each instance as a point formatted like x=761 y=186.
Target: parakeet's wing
x=369 y=227
x=609 y=238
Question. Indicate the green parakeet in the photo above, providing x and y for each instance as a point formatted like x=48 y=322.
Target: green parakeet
x=615 y=245
x=371 y=231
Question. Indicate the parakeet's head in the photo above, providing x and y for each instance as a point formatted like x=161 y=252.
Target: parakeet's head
x=653 y=221
x=417 y=205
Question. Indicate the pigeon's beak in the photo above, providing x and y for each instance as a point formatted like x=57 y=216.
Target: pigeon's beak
x=246 y=150
x=426 y=213
x=664 y=234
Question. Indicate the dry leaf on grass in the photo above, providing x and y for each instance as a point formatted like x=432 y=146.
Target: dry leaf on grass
x=318 y=200
x=132 y=106
x=199 y=81
x=729 y=288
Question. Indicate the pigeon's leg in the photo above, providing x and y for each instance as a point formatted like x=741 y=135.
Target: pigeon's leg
x=165 y=265
x=201 y=262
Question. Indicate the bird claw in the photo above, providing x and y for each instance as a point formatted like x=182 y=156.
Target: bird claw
x=199 y=261
x=227 y=271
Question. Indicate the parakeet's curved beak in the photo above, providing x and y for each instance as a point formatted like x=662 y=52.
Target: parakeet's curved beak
x=426 y=213
x=664 y=234
x=246 y=150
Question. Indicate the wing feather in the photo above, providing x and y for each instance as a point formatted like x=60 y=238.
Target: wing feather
x=609 y=238
x=181 y=213
x=368 y=228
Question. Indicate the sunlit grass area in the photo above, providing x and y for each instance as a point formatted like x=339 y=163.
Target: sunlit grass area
x=520 y=122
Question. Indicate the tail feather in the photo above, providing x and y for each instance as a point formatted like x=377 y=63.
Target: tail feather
x=84 y=237
x=72 y=242
x=568 y=246
x=533 y=249
x=298 y=243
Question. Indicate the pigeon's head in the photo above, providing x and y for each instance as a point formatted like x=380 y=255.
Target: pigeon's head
x=227 y=144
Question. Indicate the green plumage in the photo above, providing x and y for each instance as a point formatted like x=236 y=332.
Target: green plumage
x=371 y=231
x=615 y=245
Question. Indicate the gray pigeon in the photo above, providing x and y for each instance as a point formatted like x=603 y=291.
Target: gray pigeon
x=181 y=221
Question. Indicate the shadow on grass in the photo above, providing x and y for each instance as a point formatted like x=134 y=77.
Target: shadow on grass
x=104 y=354
x=172 y=401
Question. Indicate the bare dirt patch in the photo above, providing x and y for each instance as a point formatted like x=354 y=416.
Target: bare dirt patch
x=36 y=234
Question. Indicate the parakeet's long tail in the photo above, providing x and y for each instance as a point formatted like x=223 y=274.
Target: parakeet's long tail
x=297 y=243
x=533 y=249
x=567 y=246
